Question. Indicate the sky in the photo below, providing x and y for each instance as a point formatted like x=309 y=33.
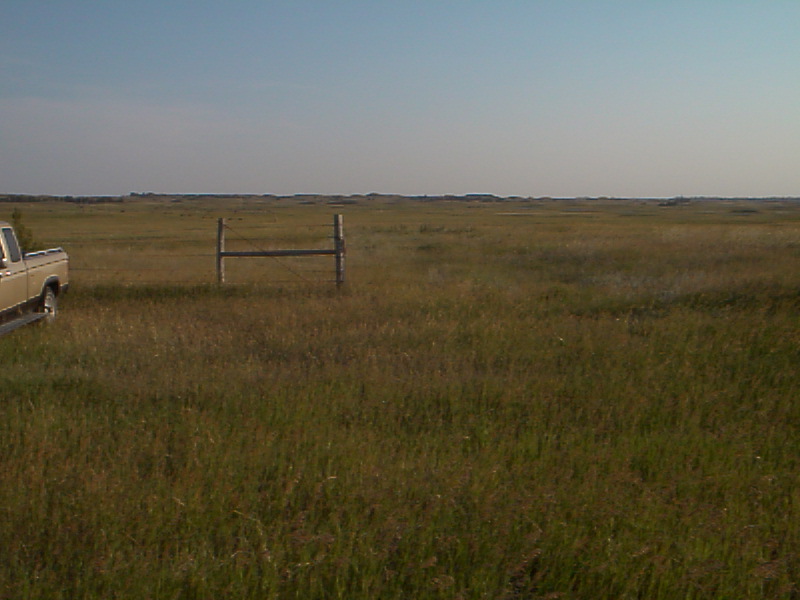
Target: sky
x=561 y=98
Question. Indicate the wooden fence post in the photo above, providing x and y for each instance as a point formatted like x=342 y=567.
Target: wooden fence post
x=220 y=251
x=339 y=247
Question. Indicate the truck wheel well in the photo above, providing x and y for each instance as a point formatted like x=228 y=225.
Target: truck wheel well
x=53 y=284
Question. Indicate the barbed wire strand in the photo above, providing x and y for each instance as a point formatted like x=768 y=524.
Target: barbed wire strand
x=260 y=249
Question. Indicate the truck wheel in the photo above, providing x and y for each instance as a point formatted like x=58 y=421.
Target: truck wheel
x=49 y=304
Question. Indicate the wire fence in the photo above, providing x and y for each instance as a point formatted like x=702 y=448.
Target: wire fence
x=136 y=259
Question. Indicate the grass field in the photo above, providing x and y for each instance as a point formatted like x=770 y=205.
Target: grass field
x=514 y=400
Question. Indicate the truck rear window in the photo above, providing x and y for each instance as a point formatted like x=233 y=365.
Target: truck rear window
x=11 y=243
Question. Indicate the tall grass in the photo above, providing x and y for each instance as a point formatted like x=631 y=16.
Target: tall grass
x=552 y=404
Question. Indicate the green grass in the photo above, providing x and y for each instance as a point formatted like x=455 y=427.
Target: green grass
x=545 y=404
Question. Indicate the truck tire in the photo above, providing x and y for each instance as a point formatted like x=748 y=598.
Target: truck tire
x=48 y=304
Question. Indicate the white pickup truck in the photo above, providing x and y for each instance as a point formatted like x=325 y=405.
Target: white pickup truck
x=30 y=283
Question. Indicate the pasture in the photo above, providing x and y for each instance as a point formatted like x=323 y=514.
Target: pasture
x=507 y=400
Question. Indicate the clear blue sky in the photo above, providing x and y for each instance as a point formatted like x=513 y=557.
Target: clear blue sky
x=639 y=98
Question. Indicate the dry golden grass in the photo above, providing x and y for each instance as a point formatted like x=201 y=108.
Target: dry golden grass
x=507 y=400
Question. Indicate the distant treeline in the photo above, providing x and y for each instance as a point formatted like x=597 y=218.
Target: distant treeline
x=375 y=197
x=75 y=199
